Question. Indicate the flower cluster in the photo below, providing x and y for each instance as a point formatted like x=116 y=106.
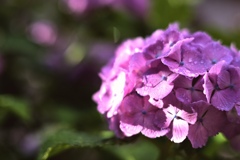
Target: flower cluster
x=173 y=83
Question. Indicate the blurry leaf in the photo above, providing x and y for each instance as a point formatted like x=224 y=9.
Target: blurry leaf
x=213 y=147
x=62 y=140
x=66 y=115
x=18 y=106
x=75 y=53
x=116 y=34
x=141 y=150
x=164 y=12
x=20 y=45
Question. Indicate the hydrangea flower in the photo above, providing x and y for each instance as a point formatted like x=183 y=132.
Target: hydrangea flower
x=137 y=115
x=189 y=90
x=178 y=118
x=222 y=86
x=175 y=84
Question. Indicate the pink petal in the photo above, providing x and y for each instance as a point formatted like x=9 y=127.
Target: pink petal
x=179 y=130
x=158 y=92
x=154 y=133
x=157 y=103
x=188 y=117
x=130 y=130
x=208 y=87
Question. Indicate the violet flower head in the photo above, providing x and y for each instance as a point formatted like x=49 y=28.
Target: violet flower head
x=173 y=83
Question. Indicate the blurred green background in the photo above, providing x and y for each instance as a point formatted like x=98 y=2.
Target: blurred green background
x=50 y=55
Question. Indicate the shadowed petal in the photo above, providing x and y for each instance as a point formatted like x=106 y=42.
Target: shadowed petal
x=184 y=95
x=150 y=129
x=197 y=135
x=214 y=120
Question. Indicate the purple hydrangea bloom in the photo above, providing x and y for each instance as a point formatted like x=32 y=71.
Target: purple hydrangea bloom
x=157 y=82
x=222 y=86
x=173 y=83
x=209 y=122
x=137 y=115
x=189 y=90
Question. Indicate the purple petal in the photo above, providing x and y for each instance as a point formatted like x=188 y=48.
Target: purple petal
x=131 y=104
x=170 y=99
x=233 y=115
x=197 y=135
x=150 y=129
x=201 y=38
x=114 y=126
x=183 y=82
x=161 y=120
x=215 y=53
x=133 y=119
x=223 y=80
x=214 y=121
x=224 y=99
x=184 y=95
x=173 y=59
x=198 y=96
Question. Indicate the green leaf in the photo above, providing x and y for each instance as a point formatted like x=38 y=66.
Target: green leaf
x=65 y=139
x=15 y=105
x=116 y=34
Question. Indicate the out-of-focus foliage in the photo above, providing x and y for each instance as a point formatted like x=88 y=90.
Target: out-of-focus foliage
x=50 y=55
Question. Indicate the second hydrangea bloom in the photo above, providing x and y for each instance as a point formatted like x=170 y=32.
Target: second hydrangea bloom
x=172 y=83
